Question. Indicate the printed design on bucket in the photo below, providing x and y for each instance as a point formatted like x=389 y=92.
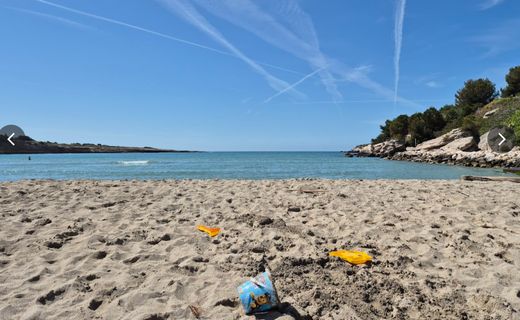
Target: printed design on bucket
x=258 y=294
x=259 y=301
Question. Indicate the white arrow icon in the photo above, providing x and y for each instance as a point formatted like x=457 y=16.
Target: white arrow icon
x=9 y=139
x=503 y=139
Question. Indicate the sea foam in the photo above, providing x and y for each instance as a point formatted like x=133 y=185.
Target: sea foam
x=134 y=163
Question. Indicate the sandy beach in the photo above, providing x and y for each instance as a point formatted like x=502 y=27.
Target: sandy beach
x=130 y=249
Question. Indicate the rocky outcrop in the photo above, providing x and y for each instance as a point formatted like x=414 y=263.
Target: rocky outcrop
x=443 y=140
x=481 y=159
x=462 y=144
x=383 y=149
x=456 y=147
x=490 y=113
x=483 y=144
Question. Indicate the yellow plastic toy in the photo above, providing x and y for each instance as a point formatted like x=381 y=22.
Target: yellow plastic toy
x=353 y=257
x=210 y=231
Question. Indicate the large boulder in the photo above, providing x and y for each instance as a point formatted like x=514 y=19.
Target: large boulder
x=483 y=144
x=443 y=140
x=388 y=148
x=462 y=144
x=364 y=150
x=383 y=149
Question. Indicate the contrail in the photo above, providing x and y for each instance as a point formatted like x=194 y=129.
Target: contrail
x=189 y=13
x=131 y=26
x=156 y=33
x=398 y=38
x=53 y=18
x=293 y=85
x=287 y=27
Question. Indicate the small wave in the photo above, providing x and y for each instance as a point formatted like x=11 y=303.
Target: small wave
x=134 y=163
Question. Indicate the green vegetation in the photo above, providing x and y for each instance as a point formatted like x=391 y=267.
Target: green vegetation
x=514 y=122
x=513 y=83
x=474 y=95
x=502 y=111
x=476 y=110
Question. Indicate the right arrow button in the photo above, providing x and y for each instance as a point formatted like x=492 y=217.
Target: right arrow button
x=503 y=139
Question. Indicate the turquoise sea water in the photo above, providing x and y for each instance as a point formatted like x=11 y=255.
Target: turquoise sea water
x=222 y=165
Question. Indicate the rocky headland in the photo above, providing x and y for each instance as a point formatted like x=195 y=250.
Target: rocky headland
x=27 y=145
x=457 y=147
x=465 y=133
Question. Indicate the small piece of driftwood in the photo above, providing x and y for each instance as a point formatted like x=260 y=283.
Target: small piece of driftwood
x=502 y=179
x=196 y=311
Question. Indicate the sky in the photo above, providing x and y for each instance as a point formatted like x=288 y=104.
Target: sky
x=242 y=75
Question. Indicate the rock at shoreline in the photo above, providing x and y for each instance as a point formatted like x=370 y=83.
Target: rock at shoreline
x=483 y=144
x=462 y=144
x=480 y=159
x=383 y=149
x=443 y=140
x=456 y=147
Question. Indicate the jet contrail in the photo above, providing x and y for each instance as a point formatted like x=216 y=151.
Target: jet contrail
x=52 y=17
x=293 y=85
x=398 y=38
x=189 y=13
x=156 y=33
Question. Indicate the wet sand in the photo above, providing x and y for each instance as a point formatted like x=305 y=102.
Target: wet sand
x=130 y=250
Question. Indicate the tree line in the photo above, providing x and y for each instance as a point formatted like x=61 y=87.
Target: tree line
x=475 y=94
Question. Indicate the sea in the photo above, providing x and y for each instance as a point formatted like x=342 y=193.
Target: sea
x=222 y=165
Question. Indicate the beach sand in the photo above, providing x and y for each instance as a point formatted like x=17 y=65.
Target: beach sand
x=130 y=249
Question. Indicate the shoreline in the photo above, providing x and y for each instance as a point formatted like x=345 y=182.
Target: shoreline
x=456 y=147
x=113 y=249
x=475 y=159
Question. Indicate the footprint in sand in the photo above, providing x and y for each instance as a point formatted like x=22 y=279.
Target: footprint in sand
x=100 y=255
x=51 y=296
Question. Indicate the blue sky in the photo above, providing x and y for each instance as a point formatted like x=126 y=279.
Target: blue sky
x=241 y=75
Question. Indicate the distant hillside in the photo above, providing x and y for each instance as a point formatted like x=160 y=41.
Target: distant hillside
x=26 y=145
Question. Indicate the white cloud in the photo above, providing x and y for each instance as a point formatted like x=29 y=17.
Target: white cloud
x=430 y=80
x=432 y=84
x=488 y=4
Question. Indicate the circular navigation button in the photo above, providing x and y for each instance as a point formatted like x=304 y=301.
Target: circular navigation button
x=11 y=129
x=501 y=139
x=11 y=132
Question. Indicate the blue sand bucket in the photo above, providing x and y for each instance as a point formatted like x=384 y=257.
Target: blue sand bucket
x=258 y=294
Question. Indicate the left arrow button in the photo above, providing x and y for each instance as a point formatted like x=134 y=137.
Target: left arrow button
x=11 y=132
x=9 y=139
